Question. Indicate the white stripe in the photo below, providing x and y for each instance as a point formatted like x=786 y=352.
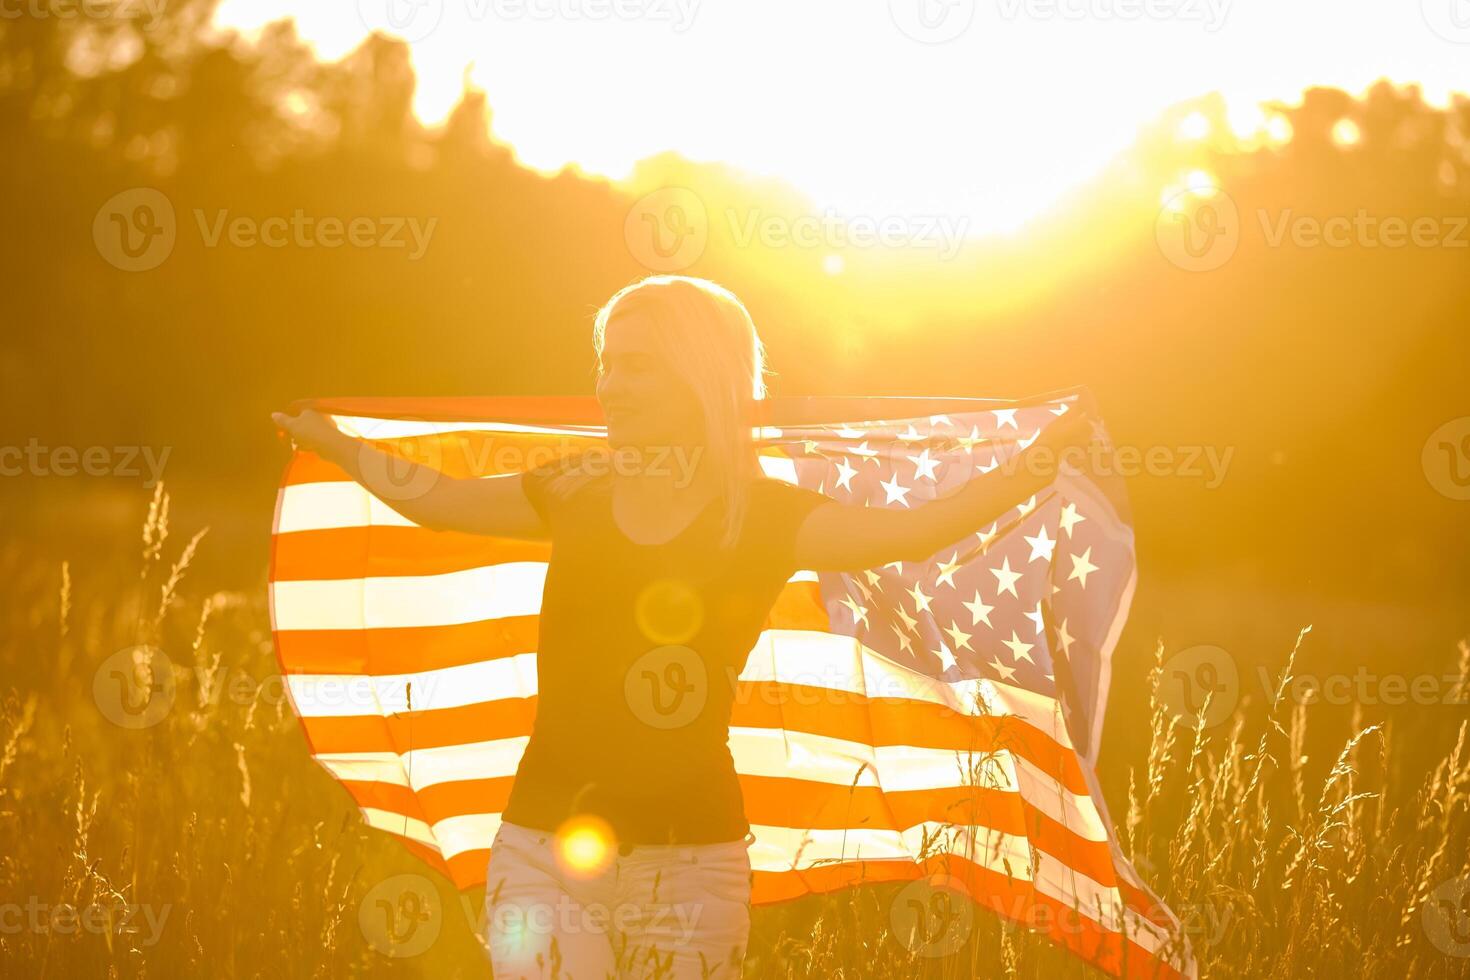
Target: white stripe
x=330 y=505
x=366 y=695
x=785 y=849
x=492 y=759
x=781 y=468
x=364 y=427
x=450 y=836
x=401 y=825
x=469 y=596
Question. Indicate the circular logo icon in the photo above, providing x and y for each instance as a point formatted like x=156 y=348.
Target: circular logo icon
x=667 y=687
x=1447 y=917
x=135 y=230
x=1450 y=19
x=134 y=688
x=932 y=21
x=412 y=20
x=1446 y=458
x=667 y=230
x=932 y=916
x=1191 y=676
x=1198 y=231
x=669 y=611
x=413 y=464
x=401 y=916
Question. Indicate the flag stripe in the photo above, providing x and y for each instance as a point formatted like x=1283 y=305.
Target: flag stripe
x=342 y=552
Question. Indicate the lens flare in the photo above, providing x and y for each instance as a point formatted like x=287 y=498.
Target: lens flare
x=1278 y=130
x=1346 y=133
x=584 y=846
x=1194 y=126
x=669 y=611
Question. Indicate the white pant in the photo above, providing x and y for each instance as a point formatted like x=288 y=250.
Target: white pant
x=667 y=910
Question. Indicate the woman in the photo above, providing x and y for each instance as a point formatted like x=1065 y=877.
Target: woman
x=623 y=847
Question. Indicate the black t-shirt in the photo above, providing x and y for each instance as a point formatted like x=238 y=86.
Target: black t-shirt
x=639 y=649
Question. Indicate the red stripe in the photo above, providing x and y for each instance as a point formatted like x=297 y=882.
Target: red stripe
x=376 y=551
x=404 y=649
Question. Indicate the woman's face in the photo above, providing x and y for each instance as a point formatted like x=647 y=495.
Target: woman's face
x=645 y=402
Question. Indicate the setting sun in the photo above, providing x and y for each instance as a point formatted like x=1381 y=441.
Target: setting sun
x=907 y=121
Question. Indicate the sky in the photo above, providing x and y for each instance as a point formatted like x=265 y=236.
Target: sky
x=980 y=110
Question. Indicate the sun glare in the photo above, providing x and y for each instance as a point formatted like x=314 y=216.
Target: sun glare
x=1201 y=184
x=1194 y=127
x=584 y=845
x=880 y=134
x=1346 y=133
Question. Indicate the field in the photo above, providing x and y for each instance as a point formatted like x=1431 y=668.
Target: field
x=159 y=816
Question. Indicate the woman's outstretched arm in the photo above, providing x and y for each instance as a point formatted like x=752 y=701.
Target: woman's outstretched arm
x=842 y=537
x=495 y=505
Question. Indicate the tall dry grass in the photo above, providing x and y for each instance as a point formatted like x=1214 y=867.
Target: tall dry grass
x=206 y=843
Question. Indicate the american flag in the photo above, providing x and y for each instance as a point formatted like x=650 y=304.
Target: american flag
x=930 y=721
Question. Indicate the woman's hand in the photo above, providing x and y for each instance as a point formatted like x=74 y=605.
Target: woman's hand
x=310 y=430
x=1073 y=429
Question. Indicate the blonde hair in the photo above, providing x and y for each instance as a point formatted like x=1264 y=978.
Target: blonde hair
x=707 y=336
